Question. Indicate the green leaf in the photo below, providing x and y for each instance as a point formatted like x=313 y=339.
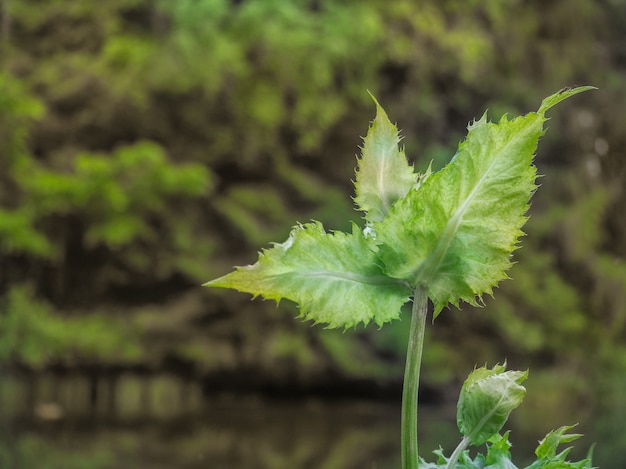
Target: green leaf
x=487 y=398
x=334 y=277
x=547 y=457
x=498 y=454
x=547 y=447
x=559 y=96
x=455 y=233
x=383 y=175
x=451 y=232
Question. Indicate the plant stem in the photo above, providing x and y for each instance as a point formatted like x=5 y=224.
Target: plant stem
x=410 y=459
x=457 y=452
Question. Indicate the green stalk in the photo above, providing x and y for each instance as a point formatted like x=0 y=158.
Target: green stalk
x=410 y=458
x=457 y=452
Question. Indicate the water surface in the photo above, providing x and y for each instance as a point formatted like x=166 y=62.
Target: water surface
x=164 y=423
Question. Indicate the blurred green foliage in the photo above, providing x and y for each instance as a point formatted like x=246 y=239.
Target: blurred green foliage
x=36 y=336
x=33 y=451
x=148 y=145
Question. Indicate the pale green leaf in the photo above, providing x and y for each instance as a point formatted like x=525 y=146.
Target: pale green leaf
x=383 y=175
x=455 y=233
x=487 y=398
x=559 y=96
x=498 y=454
x=333 y=277
x=548 y=446
x=548 y=458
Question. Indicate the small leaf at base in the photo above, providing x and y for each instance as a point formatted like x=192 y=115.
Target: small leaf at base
x=487 y=398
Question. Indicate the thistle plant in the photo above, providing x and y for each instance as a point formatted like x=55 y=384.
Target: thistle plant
x=444 y=236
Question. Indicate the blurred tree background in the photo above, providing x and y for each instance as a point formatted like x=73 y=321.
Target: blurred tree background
x=146 y=146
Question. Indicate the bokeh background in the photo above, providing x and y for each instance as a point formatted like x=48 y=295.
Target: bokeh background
x=147 y=146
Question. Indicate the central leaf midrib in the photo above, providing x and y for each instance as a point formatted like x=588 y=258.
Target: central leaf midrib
x=381 y=177
x=430 y=266
x=483 y=421
x=346 y=276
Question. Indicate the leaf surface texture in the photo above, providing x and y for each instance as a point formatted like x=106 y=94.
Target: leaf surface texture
x=334 y=277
